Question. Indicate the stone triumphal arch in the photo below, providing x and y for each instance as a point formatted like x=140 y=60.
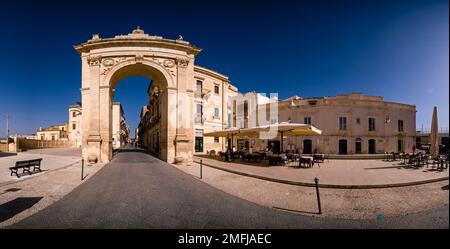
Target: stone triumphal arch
x=169 y=63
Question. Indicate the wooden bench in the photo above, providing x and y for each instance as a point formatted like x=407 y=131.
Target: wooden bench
x=26 y=165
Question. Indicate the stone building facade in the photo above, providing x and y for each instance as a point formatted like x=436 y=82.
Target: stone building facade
x=211 y=94
x=350 y=123
x=74 y=127
x=120 y=129
x=54 y=132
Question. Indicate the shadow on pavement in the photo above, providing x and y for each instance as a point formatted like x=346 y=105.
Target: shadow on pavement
x=295 y=211
x=133 y=149
x=5 y=154
x=21 y=174
x=18 y=205
x=11 y=190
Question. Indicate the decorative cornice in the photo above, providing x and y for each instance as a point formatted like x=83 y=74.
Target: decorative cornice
x=137 y=42
x=210 y=72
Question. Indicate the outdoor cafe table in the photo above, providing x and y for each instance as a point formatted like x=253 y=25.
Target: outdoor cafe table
x=319 y=157
x=419 y=159
x=405 y=158
x=275 y=159
x=441 y=162
x=307 y=159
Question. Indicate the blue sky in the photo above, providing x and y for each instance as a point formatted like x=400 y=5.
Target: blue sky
x=395 y=49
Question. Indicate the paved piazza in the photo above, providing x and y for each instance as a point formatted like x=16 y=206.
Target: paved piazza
x=137 y=190
x=22 y=198
x=339 y=172
x=338 y=203
x=52 y=159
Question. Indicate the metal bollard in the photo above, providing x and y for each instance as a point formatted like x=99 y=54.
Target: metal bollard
x=82 y=169
x=316 y=180
x=201 y=168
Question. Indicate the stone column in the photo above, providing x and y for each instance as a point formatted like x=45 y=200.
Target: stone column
x=184 y=138
x=105 y=122
x=90 y=105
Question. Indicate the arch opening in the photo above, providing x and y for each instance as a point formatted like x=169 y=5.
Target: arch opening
x=150 y=129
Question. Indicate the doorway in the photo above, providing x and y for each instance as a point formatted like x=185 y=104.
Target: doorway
x=400 y=146
x=307 y=146
x=343 y=146
x=198 y=144
x=372 y=148
x=243 y=144
x=274 y=145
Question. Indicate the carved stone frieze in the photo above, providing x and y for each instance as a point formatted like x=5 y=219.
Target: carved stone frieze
x=139 y=58
x=108 y=62
x=169 y=63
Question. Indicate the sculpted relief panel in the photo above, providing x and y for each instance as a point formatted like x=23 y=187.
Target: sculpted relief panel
x=109 y=62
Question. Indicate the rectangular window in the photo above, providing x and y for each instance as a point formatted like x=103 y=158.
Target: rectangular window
x=216 y=112
x=198 y=89
x=307 y=120
x=199 y=113
x=342 y=123
x=400 y=125
x=216 y=89
x=371 y=124
x=74 y=126
x=216 y=139
x=245 y=109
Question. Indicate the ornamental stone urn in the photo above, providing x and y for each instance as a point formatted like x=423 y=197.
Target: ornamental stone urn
x=92 y=159
x=179 y=159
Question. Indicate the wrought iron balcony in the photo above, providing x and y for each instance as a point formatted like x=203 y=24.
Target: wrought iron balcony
x=198 y=118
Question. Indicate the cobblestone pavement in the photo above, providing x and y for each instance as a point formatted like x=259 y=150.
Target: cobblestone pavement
x=336 y=203
x=22 y=199
x=137 y=190
x=339 y=172
x=51 y=159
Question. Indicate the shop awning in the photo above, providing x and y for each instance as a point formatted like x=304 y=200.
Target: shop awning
x=286 y=129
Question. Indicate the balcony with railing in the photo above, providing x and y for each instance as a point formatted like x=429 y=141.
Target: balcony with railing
x=201 y=93
x=198 y=117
